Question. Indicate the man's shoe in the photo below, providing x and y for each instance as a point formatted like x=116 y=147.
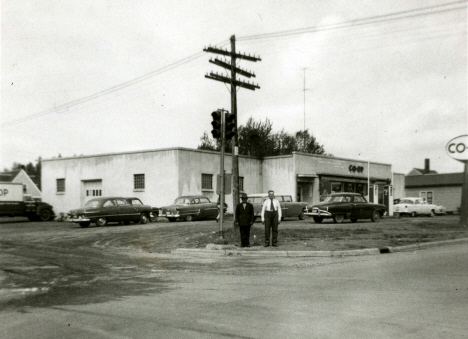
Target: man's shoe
x=275 y=245
x=266 y=245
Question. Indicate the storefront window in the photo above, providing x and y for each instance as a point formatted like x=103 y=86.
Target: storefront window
x=324 y=188
x=336 y=187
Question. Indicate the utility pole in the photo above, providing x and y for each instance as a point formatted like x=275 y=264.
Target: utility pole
x=234 y=82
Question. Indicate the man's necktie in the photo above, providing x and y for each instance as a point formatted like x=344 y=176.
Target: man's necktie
x=272 y=207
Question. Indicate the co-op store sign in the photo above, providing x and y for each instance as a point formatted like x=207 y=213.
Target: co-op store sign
x=457 y=148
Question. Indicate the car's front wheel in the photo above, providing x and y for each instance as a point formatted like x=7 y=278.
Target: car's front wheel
x=189 y=218
x=301 y=215
x=318 y=220
x=413 y=214
x=338 y=219
x=101 y=221
x=375 y=216
x=143 y=218
x=432 y=213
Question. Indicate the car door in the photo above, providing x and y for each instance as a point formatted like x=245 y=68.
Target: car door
x=127 y=212
x=418 y=208
x=293 y=209
x=360 y=209
x=110 y=210
x=210 y=209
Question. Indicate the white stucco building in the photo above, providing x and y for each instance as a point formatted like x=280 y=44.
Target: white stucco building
x=159 y=176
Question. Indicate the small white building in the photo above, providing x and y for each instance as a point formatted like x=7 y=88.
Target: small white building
x=21 y=177
x=159 y=176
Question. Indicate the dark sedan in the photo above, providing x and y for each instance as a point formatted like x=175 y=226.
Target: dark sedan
x=340 y=206
x=109 y=209
x=190 y=207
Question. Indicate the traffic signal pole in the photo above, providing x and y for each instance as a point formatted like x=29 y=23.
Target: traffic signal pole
x=221 y=239
x=234 y=82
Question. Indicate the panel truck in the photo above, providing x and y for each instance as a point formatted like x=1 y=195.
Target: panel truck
x=14 y=203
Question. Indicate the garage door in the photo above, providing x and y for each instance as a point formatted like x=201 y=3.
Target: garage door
x=90 y=189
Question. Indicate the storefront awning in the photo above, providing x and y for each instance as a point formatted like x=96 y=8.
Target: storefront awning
x=306 y=177
x=344 y=179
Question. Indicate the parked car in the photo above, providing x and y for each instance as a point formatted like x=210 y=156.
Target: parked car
x=190 y=207
x=417 y=206
x=341 y=206
x=153 y=217
x=289 y=208
x=109 y=209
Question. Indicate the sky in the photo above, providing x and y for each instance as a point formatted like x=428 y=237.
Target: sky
x=93 y=76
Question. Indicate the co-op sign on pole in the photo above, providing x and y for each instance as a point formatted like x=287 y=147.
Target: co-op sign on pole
x=457 y=148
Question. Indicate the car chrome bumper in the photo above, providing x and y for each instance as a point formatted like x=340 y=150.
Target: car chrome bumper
x=169 y=215
x=318 y=214
x=79 y=219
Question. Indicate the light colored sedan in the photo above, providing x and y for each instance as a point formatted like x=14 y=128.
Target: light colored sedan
x=417 y=206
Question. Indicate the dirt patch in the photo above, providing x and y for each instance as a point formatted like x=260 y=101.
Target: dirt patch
x=328 y=236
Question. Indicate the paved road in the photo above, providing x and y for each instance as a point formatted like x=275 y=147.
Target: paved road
x=61 y=281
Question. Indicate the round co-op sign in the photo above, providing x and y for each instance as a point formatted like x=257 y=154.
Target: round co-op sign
x=457 y=148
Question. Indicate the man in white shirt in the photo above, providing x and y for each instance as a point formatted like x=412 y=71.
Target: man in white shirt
x=271 y=218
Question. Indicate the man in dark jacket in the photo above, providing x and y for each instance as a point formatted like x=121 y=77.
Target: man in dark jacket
x=245 y=219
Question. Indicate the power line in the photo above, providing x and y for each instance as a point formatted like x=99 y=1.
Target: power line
x=66 y=106
x=359 y=22
x=347 y=24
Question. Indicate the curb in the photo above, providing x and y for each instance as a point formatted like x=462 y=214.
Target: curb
x=228 y=250
x=257 y=253
x=391 y=249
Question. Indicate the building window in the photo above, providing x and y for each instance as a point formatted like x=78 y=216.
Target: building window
x=207 y=181
x=25 y=188
x=94 y=193
x=427 y=196
x=241 y=183
x=139 y=181
x=60 y=185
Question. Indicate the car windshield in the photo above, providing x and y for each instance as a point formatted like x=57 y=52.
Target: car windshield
x=336 y=198
x=406 y=201
x=92 y=203
x=181 y=201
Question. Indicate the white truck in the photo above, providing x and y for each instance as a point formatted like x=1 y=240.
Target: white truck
x=13 y=203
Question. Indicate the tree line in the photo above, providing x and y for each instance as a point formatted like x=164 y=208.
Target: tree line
x=257 y=138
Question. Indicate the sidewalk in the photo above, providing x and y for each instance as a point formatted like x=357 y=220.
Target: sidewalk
x=257 y=251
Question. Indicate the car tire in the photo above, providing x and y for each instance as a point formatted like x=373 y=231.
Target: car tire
x=172 y=219
x=413 y=214
x=432 y=214
x=354 y=219
x=189 y=218
x=375 y=216
x=153 y=217
x=301 y=215
x=45 y=214
x=318 y=220
x=101 y=221
x=85 y=224
x=338 y=219
x=143 y=218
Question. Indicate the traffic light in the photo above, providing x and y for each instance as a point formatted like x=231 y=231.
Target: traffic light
x=216 y=131
x=230 y=126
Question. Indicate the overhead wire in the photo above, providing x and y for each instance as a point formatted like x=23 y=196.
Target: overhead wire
x=389 y=17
